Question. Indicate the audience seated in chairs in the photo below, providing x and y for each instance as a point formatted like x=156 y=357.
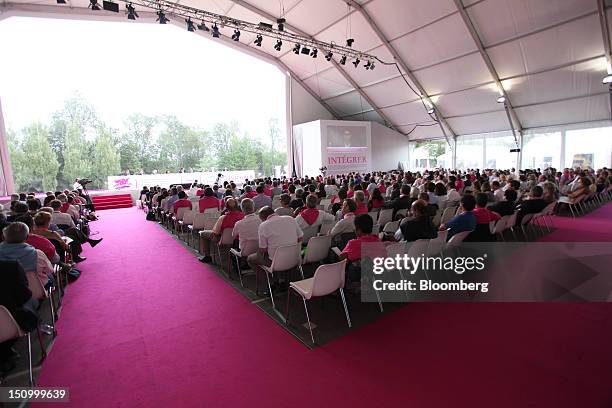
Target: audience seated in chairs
x=311 y=216
x=227 y=220
x=285 y=209
x=532 y=205
x=506 y=205
x=16 y=296
x=261 y=199
x=484 y=216
x=15 y=248
x=182 y=202
x=419 y=226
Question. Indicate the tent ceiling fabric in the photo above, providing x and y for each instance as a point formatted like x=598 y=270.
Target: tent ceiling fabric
x=549 y=56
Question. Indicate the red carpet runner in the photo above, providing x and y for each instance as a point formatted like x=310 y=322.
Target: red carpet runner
x=108 y=202
x=147 y=325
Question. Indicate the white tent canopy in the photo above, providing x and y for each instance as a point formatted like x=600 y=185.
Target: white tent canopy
x=548 y=56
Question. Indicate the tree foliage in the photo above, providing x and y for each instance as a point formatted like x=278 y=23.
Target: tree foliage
x=78 y=144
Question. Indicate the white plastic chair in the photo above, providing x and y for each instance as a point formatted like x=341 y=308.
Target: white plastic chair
x=385 y=215
x=326 y=280
x=309 y=232
x=326 y=228
x=187 y=220
x=249 y=247
x=448 y=215
x=437 y=245
x=457 y=239
x=499 y=226
x=374 y=215
x=511 y=223
x=317 y=249
x=391 y=227
x=285 y=258
x=199 y=222
x=9 y=330
x=39 y=292
x=226 y=241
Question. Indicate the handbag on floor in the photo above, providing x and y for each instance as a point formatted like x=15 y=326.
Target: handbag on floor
x=151 y=216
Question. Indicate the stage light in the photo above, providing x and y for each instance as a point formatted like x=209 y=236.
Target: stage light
x=161 y=17
x=356 y=62
x=215 y=31
x=314 y=53
x=110 y=6
x=236 y=35
x=278 y=45
x=369 y=65
x=281 y=24
x=607 y=79
x=343 y=60
x=190 y=26
x=61 y=1
x=203 y=26
x=501 y=99
x=296 y=48
x=93 y=4
x=329 y=55
x=131 y=12
x=349 y=42
x=305 y=50
x=258 y=40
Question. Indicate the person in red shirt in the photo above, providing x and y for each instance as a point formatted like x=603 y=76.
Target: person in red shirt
x=228 y=220
x=183 y=201
x=482 y=213
x=365 y=245
x=362 y=207
x=208 y=200
x=381 y=187
x=376 y=201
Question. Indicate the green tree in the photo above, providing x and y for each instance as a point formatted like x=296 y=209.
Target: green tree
x=434 y=150
x=105 y=158
x=138 y=149
x=77 y=160
x=33 y=160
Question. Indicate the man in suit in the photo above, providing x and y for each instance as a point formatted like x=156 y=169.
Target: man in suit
x=401 y=202
x=506 y=206
x=16 y=296
x=533 y=205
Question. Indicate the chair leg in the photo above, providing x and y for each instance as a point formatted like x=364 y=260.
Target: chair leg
x=287 y=308
x=301 y=271
x=30 y=360
x=308 y=318
x=53 y=316
x=42 y=346
x=270 y=289
x=348 y=318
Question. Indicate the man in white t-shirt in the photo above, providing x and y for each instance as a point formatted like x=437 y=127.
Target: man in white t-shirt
x=247 y=229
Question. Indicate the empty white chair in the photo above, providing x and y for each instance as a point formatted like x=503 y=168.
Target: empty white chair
x=317 y=249
x=9 y=329
x=285 y=258
x=187 y=220
x=326 y=280
x=197 y=226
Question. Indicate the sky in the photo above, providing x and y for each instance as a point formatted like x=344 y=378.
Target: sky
x=123 y=68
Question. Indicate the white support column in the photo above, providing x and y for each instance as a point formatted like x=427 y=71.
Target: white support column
x=7 y=186
x=562 y=153
x=454 y=154
x=484 y=152
x=519 y=157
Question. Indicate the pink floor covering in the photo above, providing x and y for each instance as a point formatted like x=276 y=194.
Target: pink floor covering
x=147 y=325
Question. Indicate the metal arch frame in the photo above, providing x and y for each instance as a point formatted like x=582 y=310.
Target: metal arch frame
x=346 y=76
x=487 y=60
x=605 y=32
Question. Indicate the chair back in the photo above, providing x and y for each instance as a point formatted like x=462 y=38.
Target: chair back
x=317 y=249
x=227 y=239
x=417 y=248
x=375 y=229
x=448 y=214
x=9 y=329
x=457 y=239
x=309 y=232
x=188 y=217
x=286 y=257
x=511 y=221
x=326 y=228
x=162 y=204
x=324 y=204
x=37 y=288
x=199 y=221
x=328 y=278
x=403 y=212
x=437 y=217
x=527 y=218
x=499 y=226
x=391 y=227
x=397 y=248
x=550 y=208
x=212 y=212
x=437 y=245
x=210 y=218
x=385 y=215
x=374 y=215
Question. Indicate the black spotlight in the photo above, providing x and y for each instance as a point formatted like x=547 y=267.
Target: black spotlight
x=215 y=31
x=368 y=65
x=329 y=55
x=356 y=62
x=110 y=6
x=258 y=40
x=161 y=17
x=131 y=12
x=314 y=53
x=343 y=60
x=278 y=45
x=190 y=26
x=236 y=35
x=296 y=48
x=305 y=50
x=349 y=42
x=203 y=26
x=61 y=1
x=93 y=4
x=281 y=24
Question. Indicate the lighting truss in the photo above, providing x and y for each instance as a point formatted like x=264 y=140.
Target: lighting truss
x=179 y=10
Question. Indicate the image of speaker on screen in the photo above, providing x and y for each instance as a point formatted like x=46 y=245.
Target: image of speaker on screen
x=346 y=136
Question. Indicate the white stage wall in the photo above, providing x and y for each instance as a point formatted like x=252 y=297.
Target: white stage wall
x=347 y=146
x=137 y=182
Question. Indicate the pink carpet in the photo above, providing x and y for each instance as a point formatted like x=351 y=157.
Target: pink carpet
x=147 y=325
